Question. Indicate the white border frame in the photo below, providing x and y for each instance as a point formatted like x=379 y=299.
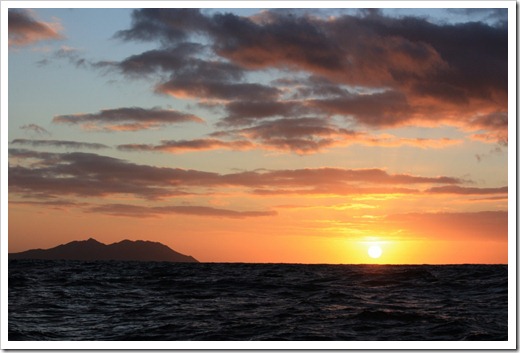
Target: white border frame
x=300 y=345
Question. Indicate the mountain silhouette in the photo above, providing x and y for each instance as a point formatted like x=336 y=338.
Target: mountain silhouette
x=92 y=250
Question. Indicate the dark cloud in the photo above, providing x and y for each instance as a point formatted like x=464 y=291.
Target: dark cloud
x=202 y=88
x=299 y=135
x=25 y=29
x=168 y=59
x=245 y=112
x=495 y=121
x=388 y=108
x=143 y=211
x=417 y=70
x=127 y=119
x=180 y=63
x=59 y=143
x=167 y=25
x=93 y=175
x=275 y=39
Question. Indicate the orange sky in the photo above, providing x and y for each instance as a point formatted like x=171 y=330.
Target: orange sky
x=257 y=136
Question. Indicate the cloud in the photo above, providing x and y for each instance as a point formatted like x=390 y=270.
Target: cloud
x=127 y=119
x=25 y=29
x=334 y=177
x=335 y=190
x=389 y=108
x=92 y=175
x=53 y=204
x=495 y=150
x=368 y=49
x=215 y=90
x=493 y=125
x=182 y=146
x=45 y=174
x=128 y=210
x=311 y=135
x=497 y=17
x=388 y=140
x=167 y=60
x=368 y=68
x=59 y=143
x=245 y=112
x=38 y=130
x=182 y=62
x=455 y=189
x=143 y=211
x=164 y=25
x=299 y=135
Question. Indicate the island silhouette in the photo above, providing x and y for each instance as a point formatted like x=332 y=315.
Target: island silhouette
x=93 y=250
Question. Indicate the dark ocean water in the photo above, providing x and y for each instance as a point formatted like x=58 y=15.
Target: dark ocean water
x=74 y=300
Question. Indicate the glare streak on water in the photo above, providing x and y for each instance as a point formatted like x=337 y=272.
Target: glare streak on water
x=74 y=300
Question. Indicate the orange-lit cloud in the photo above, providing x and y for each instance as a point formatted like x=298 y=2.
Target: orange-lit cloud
x=25 y=29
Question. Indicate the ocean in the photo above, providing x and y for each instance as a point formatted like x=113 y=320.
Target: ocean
x=159 y=301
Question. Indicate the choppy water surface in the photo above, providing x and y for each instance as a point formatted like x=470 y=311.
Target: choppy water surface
x=74 y=300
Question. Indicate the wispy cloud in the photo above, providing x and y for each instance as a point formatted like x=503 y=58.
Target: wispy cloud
x=143 y=211
x=298 y=135
x=127 y=119
x=455 y=189
x=59 y=143
x=188 y=146
x=34 y=128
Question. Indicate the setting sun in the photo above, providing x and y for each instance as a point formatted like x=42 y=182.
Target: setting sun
x=375 y=251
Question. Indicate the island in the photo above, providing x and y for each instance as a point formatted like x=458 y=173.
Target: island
x=93 y=250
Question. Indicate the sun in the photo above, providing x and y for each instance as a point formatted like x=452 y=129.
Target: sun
x=375 y=251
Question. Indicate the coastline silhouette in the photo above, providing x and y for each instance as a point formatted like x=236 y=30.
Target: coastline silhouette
x=93 y=250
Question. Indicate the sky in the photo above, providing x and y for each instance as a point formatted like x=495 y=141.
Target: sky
x=262 y=135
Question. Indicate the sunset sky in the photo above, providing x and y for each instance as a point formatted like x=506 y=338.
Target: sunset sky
x=262 y=135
